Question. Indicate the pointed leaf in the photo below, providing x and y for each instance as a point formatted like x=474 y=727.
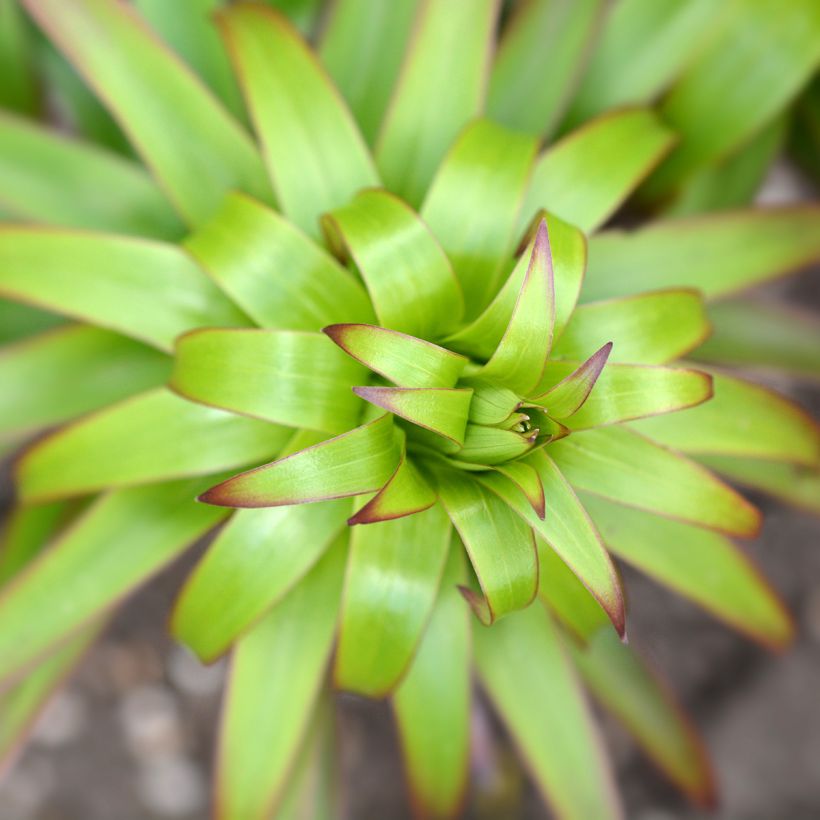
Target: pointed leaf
x=494 y=445
x=527 y=479
x=18 y=90
x=146 y=87
x=406 y=272
x=275 y=677
x=519 y=662
x=147 y=290
x=315 y=155
x=404 y=360
x=393 y=575
x=258 y=557
x=351 y=464
x=491 y=404
x=26 y=531
x=273 y=271
x=567 y=396
x=440 y=88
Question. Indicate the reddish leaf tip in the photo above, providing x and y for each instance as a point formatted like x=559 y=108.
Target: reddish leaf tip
x=478 y=603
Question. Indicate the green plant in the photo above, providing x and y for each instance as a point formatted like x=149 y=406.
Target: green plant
x=456 y=379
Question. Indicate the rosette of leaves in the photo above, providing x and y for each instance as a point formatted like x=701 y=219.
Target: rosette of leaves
x=447 y=438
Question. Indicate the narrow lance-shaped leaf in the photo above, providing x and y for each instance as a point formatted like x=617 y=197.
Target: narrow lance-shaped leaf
x=146 y=87
x=528 y=480
x=315 y=155
x=18 y=90
x=568 y=395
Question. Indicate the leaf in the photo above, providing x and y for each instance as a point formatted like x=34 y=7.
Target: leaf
x=257 y=558
x=568 y=395
x=19 y=321
x=701 y=565
x=491 y=404
x=55 y=180
x=588 y=174
x=733 y=251
x=551 y=38
x=508 y=576
x=759 y=335
x=18 y=91
x=146 y=87
x=492 y=445
x=432 y=703
x=649 y=328
x=393 y=575
x=749 y=72
x=148 y=290
x=154 y=436
x=276 y=274
x=627 y=468
x=442 y=410
x=519 y=359
x=473 y=203
x=302 y=13
x=407 y=274
x=624 y=392
x=626 y=687
x=439 y=90
x=568 y=246
x=63 y=373
x=527 y=479
x=313 y=150
x=519 y=661
x=273 y=686
x=404 y=360
x=743 y=419
x=26 y=531
x=288 y=377
x=569 y=532
x=353 y=463
x=80 y=576
x=362 y=46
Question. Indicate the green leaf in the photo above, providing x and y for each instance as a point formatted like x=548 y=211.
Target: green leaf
x=51 y=179
x=408 y=276
x=148 y=290
x=288 y=377
x=701 y=565
x=568 y=531
x=315 y=155
x=442 y=410
x=19 y=321
x=746 y=75
x=154 y=436
x=545 y=38
x=627 y=391
x=255 y=560
x=530 y=680
x=588 y=174
x=491 y=404
x=26 y=530
x=627 y=688
x=568 y=247
x=302 y=13
x=393 y=575
x=508 y=577
x=492 y=445
x=759 y=335
x=80 y=576
x=18 y=91
x=473 y=203
x=439 y=90
x=568 y=394
x=362 y=46
x=146 y=87
x=69 y=371
x=432 y=703
x=649 y=328
x=276 y=274
x=743 y=419
x=519 y=359
x=273 y=686
x=623 y=466
x=527 y=479
x=720 y=254
x=404 y=360
x=351 y=464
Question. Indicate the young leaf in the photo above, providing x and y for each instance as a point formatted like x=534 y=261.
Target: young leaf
x=408 y=275
x=625 y=467
x=258 y=557
x=527 y=479
x=519 y=660
x=393 y=575
x=154 y=436
x=351 y=464
x=568 y=395
x=275 y=677
x=148 y=290
x=440 y=88
x=146 y=87
x=315 y=155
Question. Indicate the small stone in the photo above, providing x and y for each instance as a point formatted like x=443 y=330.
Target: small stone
x=150 y=719
x=192 y=677
x=62 y=721
x=171 y=786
